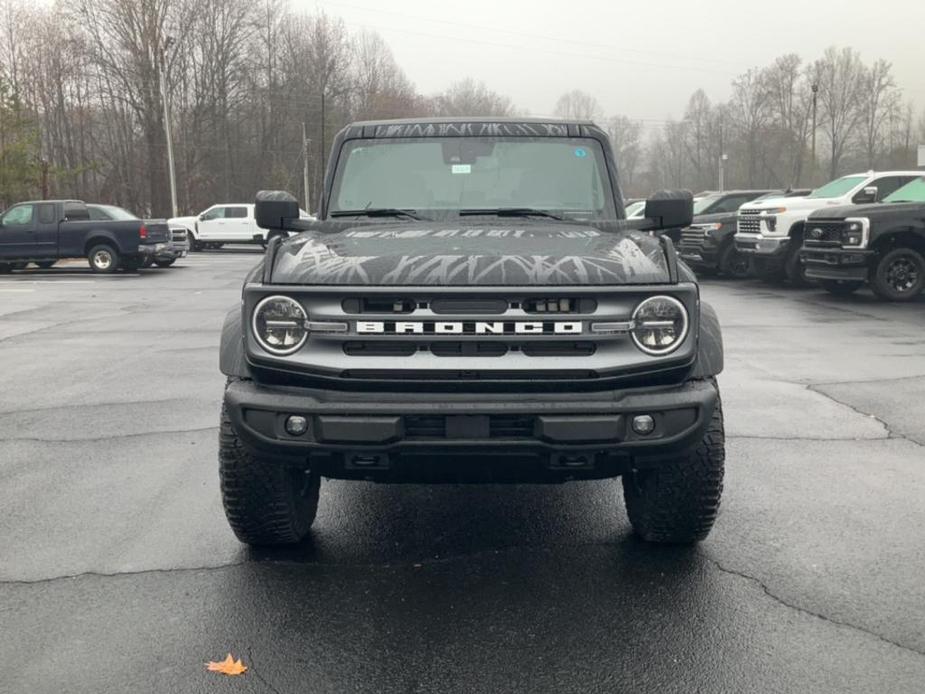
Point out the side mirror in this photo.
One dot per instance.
(869, 194)
(670, 209)
(273, 209)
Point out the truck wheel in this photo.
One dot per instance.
(267, 502)
(165, 263)
(841, 287)
(193, 243)
(45, 264)
(899, 275)
(678, 501)
(732, 263)
(795, 269)
(103, 258)
(147, 262)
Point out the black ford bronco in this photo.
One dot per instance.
(882, 243)
(471, 306)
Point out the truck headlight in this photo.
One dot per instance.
(855, 232)
(279, 325)
(660, 325)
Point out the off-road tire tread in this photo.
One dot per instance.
(677, 502)
(260, 502)
(886, 293)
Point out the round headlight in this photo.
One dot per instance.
(659, 325)
(279, 325)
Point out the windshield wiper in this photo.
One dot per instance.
(510, 212)
(377, 212)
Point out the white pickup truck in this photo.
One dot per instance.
(221, 224)
(770, 231)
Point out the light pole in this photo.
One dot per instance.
(306, 143)
(723, 158)
(815, 89)
(168, 42)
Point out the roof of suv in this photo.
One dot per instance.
(437, 120)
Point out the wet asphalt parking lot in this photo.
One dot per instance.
(118, 572)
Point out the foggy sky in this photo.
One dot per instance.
(642, 58)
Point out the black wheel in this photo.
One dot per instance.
(147, 262)
(194, 245)
(794, 268)
(899, 275)
(677, 502)
(45, 264)
(165, 263)
(103, 258)
(841, 287)
(267, 502)
(20, 266)
(732, 263)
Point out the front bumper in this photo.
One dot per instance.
(760, 246)
(833, 263)
(544, 437)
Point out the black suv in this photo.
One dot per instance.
(882, 243)
(471, 305)
(708, 244)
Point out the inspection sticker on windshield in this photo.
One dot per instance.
(462, 168)
(581, 152)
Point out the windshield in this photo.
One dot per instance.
(703, 204)
(837, 188)
(911, 192)
(439, 177)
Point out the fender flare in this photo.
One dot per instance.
(232, 360)
(710, 360)
(97, 236)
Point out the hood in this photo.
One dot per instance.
(718, 218)
(878, 210)
(443, 254)
(789, 203)
(183, 221)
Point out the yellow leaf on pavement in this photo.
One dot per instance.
(228, 666)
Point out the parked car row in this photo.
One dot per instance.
(863, 228)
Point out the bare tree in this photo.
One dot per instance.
(840, 78)
(470, 98)
(578, 105)
(626, 139)
(877, 96)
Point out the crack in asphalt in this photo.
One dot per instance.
(51, 408)
(114, 437)
(857, 410)
(818, 615)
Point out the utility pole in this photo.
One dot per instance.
(44, 164)
(305, 154)
(322, 133)
(722, 157)
(815, 88)
(171, 172)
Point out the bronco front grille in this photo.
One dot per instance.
(532, 336)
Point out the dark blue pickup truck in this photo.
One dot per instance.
(46, 231)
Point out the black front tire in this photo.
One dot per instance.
(899, 275)
(678, 501)
(795, 269)
(103, 258)
(841, 287)
(733, 264)
(267, 502)
(165, 263)
(194, 245)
